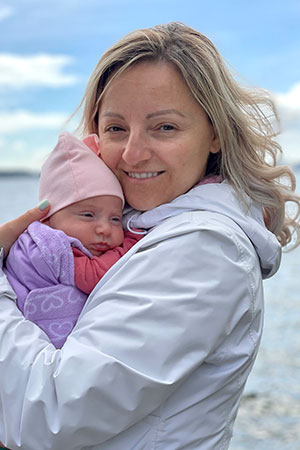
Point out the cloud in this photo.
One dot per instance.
(5, 12)
(19, 121)
(291, 99)
(41, 70)
(22, 155)
(288, 105)
(26, 138)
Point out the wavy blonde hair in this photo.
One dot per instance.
(242, 118)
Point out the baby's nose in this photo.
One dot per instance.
(103, 227)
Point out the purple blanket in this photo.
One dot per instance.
(40, 268)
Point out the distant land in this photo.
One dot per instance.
(19, 173)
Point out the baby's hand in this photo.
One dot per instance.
(10, 231)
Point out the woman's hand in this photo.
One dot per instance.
(10, 231)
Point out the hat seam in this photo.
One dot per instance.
(71, 167)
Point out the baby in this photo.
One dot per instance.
(55, 264)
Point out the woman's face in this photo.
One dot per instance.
(153, 134)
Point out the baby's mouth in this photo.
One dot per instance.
(100, 247)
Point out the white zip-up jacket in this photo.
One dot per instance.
(161, 352)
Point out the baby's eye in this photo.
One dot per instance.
(86, 214)
(116, 220)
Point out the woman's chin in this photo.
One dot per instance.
(142, 204)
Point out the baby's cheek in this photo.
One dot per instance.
(120, 237)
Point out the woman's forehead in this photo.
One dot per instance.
(157, 84)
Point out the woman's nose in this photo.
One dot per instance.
(136, 150)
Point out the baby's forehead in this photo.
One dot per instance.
(99, 202)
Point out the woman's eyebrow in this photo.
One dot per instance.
(111, 114)
(164, 112)
(148, 116)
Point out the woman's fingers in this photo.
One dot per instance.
(10, 231)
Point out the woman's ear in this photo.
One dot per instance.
(215, 144)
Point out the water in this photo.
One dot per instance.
(17, 194)
(269, 416)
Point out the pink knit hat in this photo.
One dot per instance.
(74, 172)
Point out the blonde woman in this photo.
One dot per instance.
(162, 350)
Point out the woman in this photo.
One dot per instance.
(163, 348)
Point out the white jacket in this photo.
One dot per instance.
(162, 350)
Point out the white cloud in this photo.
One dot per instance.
(19, 71)
(18, 121)
(291, 99)
(26, 151)
(23, 156)
(26, 138)
(5, 12)
(288, 104)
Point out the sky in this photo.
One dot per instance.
(48, 48)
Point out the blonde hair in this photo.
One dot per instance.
(240, 117)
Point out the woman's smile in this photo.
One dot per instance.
(143, 175)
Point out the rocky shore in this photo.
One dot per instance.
(267, 423)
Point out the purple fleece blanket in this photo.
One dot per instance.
(40, 268)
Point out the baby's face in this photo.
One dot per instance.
(96, 222)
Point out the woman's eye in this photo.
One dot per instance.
(167, 127)
(114, 129)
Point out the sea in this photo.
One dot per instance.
(269, 415)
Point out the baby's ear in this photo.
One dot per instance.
(92, 141)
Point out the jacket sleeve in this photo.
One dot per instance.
(130, 348)
(88, 271)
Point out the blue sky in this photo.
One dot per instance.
(49, 48)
